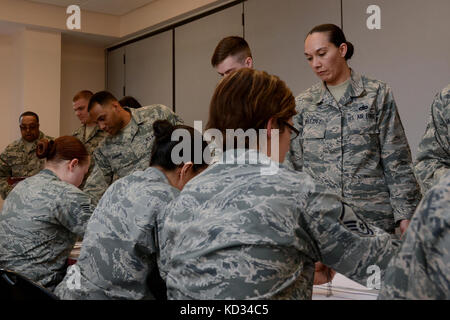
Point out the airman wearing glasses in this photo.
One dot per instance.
(19, 161)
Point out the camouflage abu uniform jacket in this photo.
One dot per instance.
(15, 162)
(433, 159)
(39, 224)
(358, 149)
(91, 142)
(119, 248)
(120, 155)
(421, 270)
(236, 233)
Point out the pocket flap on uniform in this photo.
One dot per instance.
(314, 132)
(366, 128)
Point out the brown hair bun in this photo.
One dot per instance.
(45, 149)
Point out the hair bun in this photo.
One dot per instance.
(45, 148)
(162, 129)
(350, 50)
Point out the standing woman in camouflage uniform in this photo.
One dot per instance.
(352, 139)
(44, 214)
(18, 161)
(118, 258)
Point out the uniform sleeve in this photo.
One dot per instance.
(100, 178)
(433, 159)
(294, 157)
(396, 158)
(5, 173)
(343, 240)
(420, 270)
(75, 210)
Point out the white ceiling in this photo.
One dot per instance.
(114, 7)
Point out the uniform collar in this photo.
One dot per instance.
(93, 132)
(49, 173)
(127, 133)
(80, 130)
(137, 114)
(136, 120)
(355, 89)
(156, 174)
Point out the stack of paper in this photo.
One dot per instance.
(75, 253)
(342, 288)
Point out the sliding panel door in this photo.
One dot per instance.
(149, 70)
(276, 30)
(116, 72)
(195, 78)
(411, 52)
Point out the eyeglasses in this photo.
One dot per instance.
(292, 128)
(25, 128)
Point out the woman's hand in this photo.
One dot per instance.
(323, 274)
(404, 226)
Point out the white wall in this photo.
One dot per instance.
(30, 64)
(9, 127)
(41, 77)
(162, 11)
(51, 17)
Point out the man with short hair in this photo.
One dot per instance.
(129, 144)
(19, 161)
(89, 133)
(231, 54)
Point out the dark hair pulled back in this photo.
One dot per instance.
(335, 36)
(62, 148)
(163, 145)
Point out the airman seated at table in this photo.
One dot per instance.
(19, 161)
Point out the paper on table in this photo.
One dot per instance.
(344, 289)
(75, 253)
